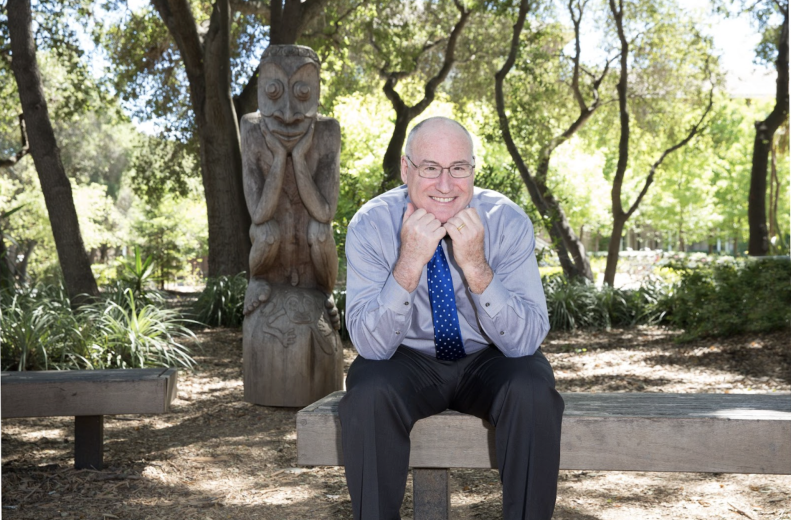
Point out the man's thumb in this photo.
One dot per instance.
(410, 208)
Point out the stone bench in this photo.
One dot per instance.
(87, 395)
(719, 433)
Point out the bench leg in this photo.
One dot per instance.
(431, 493)
(88, 441)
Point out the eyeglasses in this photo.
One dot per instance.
(430, 170)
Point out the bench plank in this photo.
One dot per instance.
(53, 393)
(733, 433)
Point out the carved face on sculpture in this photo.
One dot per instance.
(288, 94)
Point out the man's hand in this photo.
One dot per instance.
(420, 234)
(467, 232)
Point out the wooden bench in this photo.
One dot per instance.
(87, 395)
(717, 433)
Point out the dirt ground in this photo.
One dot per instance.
(216, 457)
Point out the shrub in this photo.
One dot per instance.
(135, 336)
(573, 304)
(753, 295)
(221, 304)
(39, 330)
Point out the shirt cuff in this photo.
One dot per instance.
(396, 298)
(493, 298)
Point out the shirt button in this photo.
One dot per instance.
(487, 304)
(398, 332)
(502, 333)
(406, 303)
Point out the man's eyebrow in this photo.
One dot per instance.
(428, 162)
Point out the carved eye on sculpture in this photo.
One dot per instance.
(274, 89)
(301, 91)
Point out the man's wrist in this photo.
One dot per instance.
(407, 274)
(479, 277)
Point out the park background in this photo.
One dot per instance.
(701, 269)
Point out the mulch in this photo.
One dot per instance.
(216, 457)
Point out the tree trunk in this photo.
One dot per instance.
(207, 64)
(77, 275)
(391, 163)
(574, 246)
(764, 133)
(613, 249)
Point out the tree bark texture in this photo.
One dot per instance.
(207, 63)
(758, 244)
(405, 114)
(74, 262)
(570, 251)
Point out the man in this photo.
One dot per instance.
(446, 310)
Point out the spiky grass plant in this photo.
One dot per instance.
(221, 304)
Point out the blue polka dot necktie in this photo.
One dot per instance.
(447, 334)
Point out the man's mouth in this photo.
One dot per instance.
(443, 199)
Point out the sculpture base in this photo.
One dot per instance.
(292, 354)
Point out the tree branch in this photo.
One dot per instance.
(25, 146)
(251, 7)
(450, 51)
(177, 16)
(621, 88)
(693, 131)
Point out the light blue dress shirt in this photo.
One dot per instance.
(381, 315)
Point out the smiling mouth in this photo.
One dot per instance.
(443, 199)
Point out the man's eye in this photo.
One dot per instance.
(459, 168)
(430, 168)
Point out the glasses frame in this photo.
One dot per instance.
(442, 169)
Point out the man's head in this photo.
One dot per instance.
(288, 91)
(440, 142)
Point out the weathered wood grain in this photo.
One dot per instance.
(87, 392)
(730, 433)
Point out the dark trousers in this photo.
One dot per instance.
(384, 399)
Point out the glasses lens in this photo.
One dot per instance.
(432, 171)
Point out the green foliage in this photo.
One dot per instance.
(39, 330)
(221, 303)
(732, 297)
(136, 272)
(135, 335)
(578, 304)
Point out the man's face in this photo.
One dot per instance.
(288, 98)
(443, 144)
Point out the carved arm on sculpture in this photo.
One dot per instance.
(273, 184)
(315, 202)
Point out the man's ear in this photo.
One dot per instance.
(404, 169)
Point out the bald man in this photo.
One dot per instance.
(446, 310)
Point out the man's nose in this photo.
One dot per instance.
(444, 181)
(288, 115)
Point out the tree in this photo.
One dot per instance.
(74, 261)
(764, 135)
(568, 247)
(620, 215)
(213, 49)
(407, 67)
